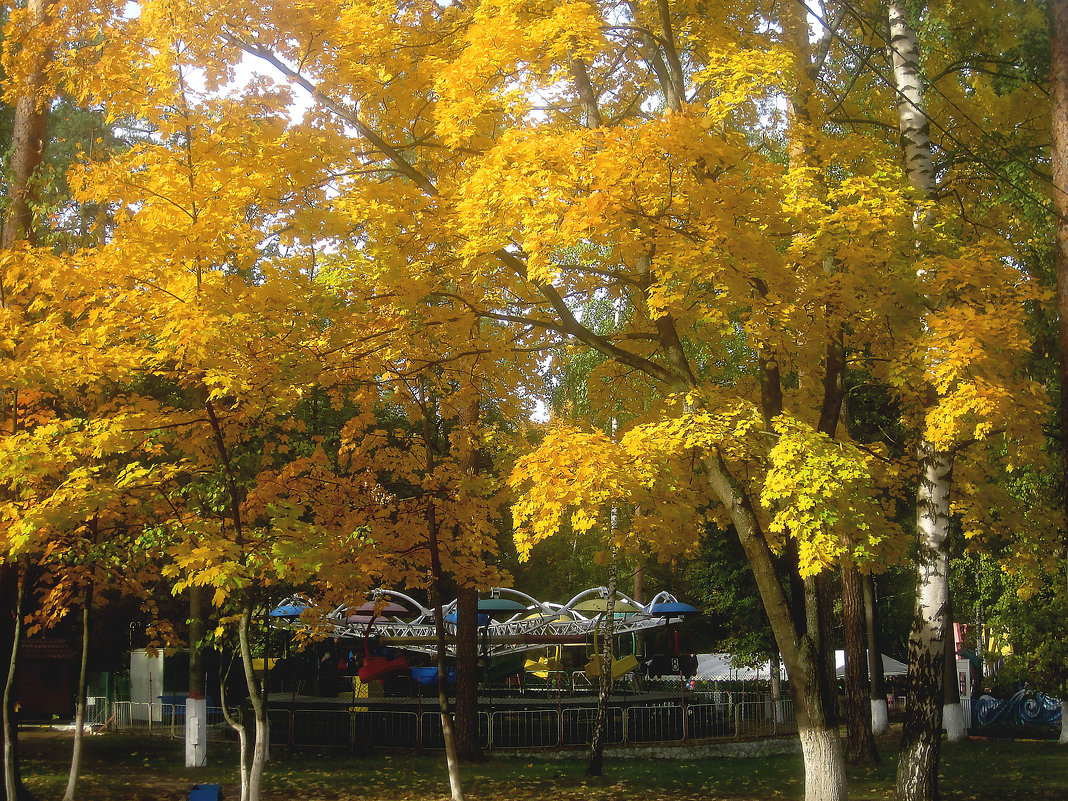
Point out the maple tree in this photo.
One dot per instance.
(469, 186)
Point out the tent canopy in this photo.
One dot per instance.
(726, 667)
(891, 666)
(723, 667)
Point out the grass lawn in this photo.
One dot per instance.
(123, 768)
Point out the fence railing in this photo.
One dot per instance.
(96, 710)
(163, 719)
(897, 709)
(363, 726)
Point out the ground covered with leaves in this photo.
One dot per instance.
(150, 769)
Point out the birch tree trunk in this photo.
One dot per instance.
(921, 734)
(921, 739)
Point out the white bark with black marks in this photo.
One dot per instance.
(912, 117)
(917, 772)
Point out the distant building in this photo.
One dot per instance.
(47, 679)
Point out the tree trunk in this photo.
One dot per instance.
(13, 573)
(256, 699)
(27, 144)
(79, 714)
(880, 717)
(451, 758)
(952, 711)
(776, 686)
(921, 739)
(860, 744)
(1058, 44)
(825, 778)
(242, 735)
(818, 629)
(595, 759)
(921, 735)
(196, 705)
(259, 708)
(468, 747)
(1058, 12)
(29, 130)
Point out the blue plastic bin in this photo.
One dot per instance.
(206, 792)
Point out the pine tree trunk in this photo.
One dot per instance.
(880, 717)
(860, 744)
(1058, 12)
(818, 627)
(468, 747)
(27, 144)
(1058, 43)
(79, 714)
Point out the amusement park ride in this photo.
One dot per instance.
(512, 625)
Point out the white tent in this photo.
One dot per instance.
(723, 667)
(891, 667)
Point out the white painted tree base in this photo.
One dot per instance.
(953, 722)
(196, 732)
(1063, 740)
(880, 717)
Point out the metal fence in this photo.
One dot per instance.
(163, 719)
(96, 710)
(364, 726)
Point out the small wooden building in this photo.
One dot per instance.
(47, 680)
